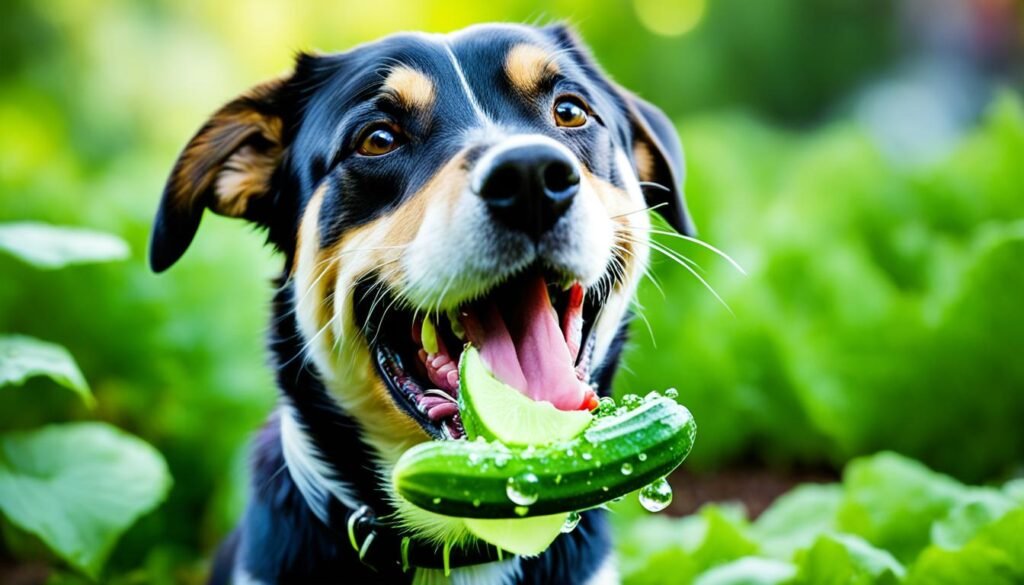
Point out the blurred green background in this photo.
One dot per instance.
(862, 159)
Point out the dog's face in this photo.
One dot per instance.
(485, 186)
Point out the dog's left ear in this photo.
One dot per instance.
(227, 167)
(658, 159)
(655, 147)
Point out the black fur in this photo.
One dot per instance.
(281, 540)
(322, 109)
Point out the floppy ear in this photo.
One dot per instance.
(226, 167)
(658, 158)
(656, 151)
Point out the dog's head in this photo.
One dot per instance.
(489, 185)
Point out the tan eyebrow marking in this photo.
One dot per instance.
(527, 65)
(412, 88)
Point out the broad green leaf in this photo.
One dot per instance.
(994, 557)
(48, 246)
(78, 487)
(652, 545)
(891, 501)
(843, 559)
(797, 518)
(23, 357)
(1014, 490)
(645, 539)
(746, 571)
(672, 560)
(726, 538)
(978, 509)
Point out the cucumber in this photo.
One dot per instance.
(494, 410)
(522, 536)
(615, 455)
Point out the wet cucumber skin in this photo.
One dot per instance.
(468, 479)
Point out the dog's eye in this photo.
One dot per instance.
(570, 113)
(377, 140)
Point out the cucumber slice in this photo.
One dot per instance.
(616, 455)
(522, 536)
(494, 410)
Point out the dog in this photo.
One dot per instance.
(493, 183)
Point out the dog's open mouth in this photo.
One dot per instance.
(533, 332)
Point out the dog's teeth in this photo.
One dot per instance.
(453, 380)
(428, 335)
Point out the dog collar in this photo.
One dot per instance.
(380, 546)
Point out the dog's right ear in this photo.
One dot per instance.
(226, 167)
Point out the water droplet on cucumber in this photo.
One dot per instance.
(656, 496)
(571, 522)
(642, 457)
(523, 489)
(626, 469)
(672, 393)
(501, 460)
(631, 401)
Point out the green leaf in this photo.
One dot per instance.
(994, 557)
(797, 518)
(47, 246)
(23, 357)
(978, 509)
(892, 501)
(1014, 489)
(667, 561)
(654, 546)
(79, 486)
(747, 571)
(843, 559)
(726, 537)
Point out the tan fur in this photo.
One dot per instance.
(218, 156)
(644, 159)
(527, 65)
(246, 175)
(326, 275)
(325, 278)
(412, 88)
(618, 205)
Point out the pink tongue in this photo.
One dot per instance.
(529, 351)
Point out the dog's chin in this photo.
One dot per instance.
(421, 374)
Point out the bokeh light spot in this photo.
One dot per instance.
(670, 18)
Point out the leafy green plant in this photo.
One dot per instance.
(76, 487)
(890, 521)
(46, 246)
(881, 307)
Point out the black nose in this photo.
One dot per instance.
(529, 187)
